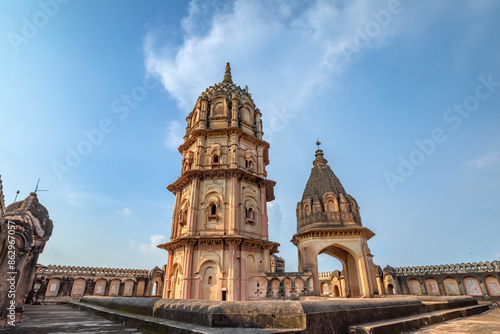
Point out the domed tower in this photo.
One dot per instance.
(219, 231)
(328, 221)
(24, 231)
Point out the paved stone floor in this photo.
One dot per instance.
(485, 323)
(57, 319)
(54, 319)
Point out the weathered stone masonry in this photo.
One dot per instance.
(70, 283)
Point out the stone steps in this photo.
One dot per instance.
(160, 325)
(405, 324)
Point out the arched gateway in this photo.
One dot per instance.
(328, 222)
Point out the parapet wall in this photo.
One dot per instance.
(459, 268)
(326, 316)
(55, 283)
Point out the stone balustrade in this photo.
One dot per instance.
(91, 271)
(449, 268)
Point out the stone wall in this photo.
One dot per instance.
(70, 283)
(480, 280)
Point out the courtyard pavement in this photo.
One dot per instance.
(485, 323)
(54, 319)
(49, 318)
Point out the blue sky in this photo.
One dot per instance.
(404, 96)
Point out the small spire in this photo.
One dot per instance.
(227, 75)
(320, 160)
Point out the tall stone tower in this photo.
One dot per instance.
(328, 221)
(219, 232)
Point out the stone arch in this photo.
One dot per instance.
(414, 286)
(128, 287)
(275, 287)
(336, 291)
(349, 260)
(250, 264)
(218, 107)
(246, 113)
(209, 283)
(300, 285)
(307, 209)
(451, 286)
(389, 284)
(336, 284)
(78, 288)
(100, 287)
(492, 285)
(250, 213)
(140, 288)
(208, 256)
(176, 282)
(53, 287)
(431, 285)
(331, 202)
(257, 288)
(114, 287)
(471, 286)
(287, 286)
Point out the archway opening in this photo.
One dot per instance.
(344, 271)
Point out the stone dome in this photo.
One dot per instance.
(32, 205)
(325, 203)
(225, 105)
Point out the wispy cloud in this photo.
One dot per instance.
(173, 135)
(484, 161)
(155, 240)
(294, 48)
(125, 211)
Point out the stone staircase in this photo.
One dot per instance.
(436, 312)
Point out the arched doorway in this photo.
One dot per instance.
(471, 285)
(176, 282)
(390, 289)
(414, 287)
(209, 272)
(336, 291)
(349, 269)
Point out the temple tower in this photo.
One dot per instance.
(219, 234)
(328, 221)
(24, 231)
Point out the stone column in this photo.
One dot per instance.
(260, 162)
(258, 124)
(195, 187)
(175, 226)
(188, 268)
(203, 112)
(168, 274)
(199, 158)
(233, 205)
(263, 213)
(243, 278)
(234, 144)
(234, 111)
(233, 270)
(266, 259)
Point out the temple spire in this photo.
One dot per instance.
(227, 75)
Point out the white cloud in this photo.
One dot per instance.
(483, 161)
(155, 239)
(125, 211)
(174, 135)
(295, 49)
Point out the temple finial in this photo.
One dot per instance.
(318, 143)
(227, 75)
